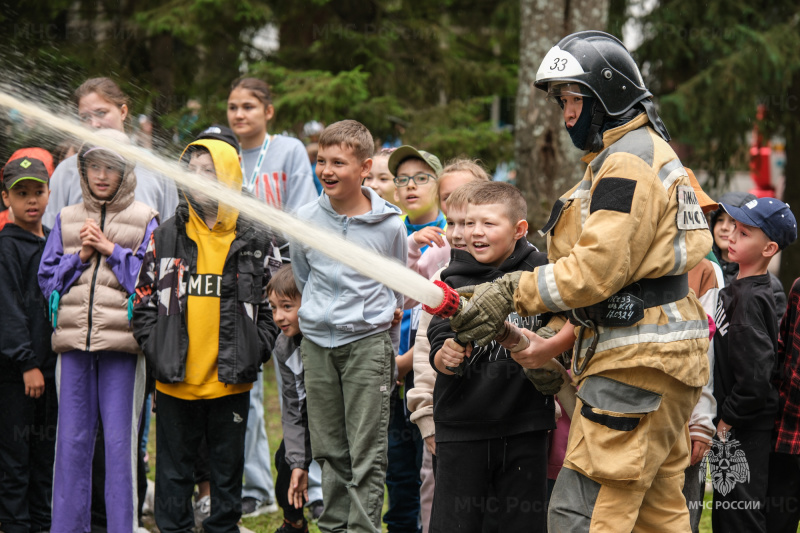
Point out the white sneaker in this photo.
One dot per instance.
(202, 510)
(149, 498)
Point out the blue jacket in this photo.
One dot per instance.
(339, 305)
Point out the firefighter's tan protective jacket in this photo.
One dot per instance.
(634, 215)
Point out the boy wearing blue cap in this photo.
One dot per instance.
(745, 346)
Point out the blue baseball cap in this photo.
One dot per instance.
(770, 215)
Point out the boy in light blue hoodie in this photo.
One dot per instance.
(350, 337)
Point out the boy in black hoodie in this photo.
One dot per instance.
(491, 422)
(745, 351)
(27, 362)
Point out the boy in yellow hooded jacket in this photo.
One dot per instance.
(201, 318)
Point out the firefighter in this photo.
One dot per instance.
(619, 243)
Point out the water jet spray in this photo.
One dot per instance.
(437, 298)
(393, 274)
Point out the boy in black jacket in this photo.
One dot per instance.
(745, 347)
(491, 422)
(27, 363)
(201, 318)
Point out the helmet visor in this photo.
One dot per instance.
(559, 90)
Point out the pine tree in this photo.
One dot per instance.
(712, 64)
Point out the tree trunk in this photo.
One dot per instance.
(547, 162)
(790, 257)
(161, 60)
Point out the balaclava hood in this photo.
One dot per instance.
(579, 133)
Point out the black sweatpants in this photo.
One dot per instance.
(506, 476)
(783, 493)
(282, 486)
(180, 426)
(742, 508)
(27, 453)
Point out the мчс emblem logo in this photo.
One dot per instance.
(728, 465)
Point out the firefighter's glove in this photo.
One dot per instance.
(548, 382)
(481, 318)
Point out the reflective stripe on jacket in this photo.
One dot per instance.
(633, 216)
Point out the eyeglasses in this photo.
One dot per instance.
(87, 117)
(418, 179)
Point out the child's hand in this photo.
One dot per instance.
(544, 347)
(538, 352)
(34, 382)
(429, 235)
(398, 316)
(430, 442)
(453, 354)
(87, 250)
(404, 363)
(700, 448)
(91, 235)
(298, 488)
(723, 430)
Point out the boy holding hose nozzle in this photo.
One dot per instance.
(491, 422)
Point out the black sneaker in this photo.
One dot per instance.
(315, 509)
(287, 527)
(254, 507)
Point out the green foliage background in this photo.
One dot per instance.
(440, 74)
(425, 70)
(713, 63)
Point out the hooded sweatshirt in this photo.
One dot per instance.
(745, 355)
(205, 284)
(93, 309)
(340, 305)
(25, 335)
(731, 270)
(493, 398)
(218, 313)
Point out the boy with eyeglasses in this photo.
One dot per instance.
(417, 194)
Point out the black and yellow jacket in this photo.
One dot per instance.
(200, 313)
